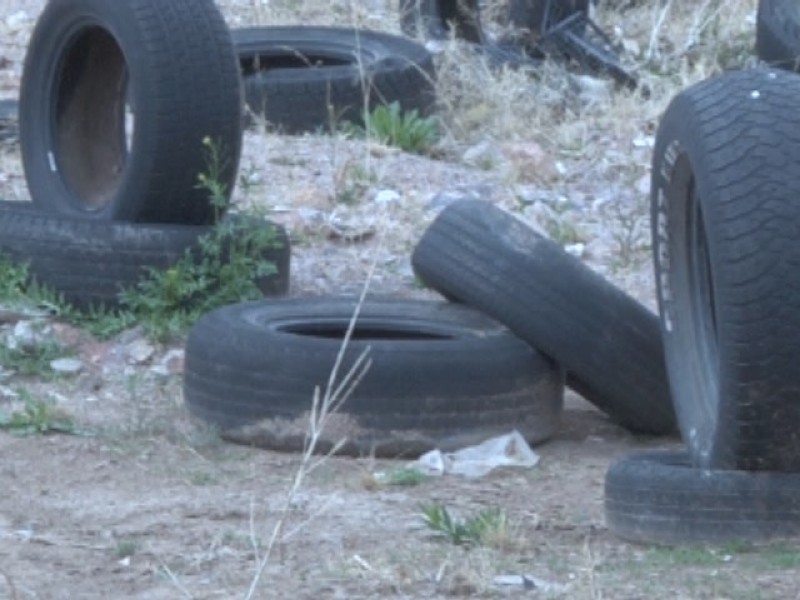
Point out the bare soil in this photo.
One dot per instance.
(145, 503)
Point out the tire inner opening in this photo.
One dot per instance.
(91, 141)
(287, 58)
(363, 332)
(703, 294)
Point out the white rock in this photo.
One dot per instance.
(66, 366)
(575, 249)
(386, 197)
(139, 351)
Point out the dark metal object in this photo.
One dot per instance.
(577, 37)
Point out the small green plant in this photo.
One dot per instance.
(125, 549)
(17, 287)
(406, 130)
(403, 476)
(227, 268)
(37, 417)
(488, 527)
(34, 359)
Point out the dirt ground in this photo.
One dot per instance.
(144, 503)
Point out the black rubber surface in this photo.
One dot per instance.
(778, 33)
(89, 261)
(442, 375)
(725, 214)
(658, 497)
(608, 343)
(168, 69)
(314, 78)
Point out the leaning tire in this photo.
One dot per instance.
(778, 33)
(174, 66)
(439, 19)
(89, 262)
(309, 78)
(441, 376)
(726, 170)
(607, 342)
(658, 497)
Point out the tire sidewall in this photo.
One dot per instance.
(55, 31)
(367, 53)
(678, 162)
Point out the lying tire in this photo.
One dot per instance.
(778, 33)
(608, 343)
(88, 262)
(441, 376)
(310, 78)
(439, 19)
(658, 497)
(726, 170)
(92, 66)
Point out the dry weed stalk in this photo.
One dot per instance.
(323, 405)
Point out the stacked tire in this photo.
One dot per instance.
(121, 104)
(725, 217)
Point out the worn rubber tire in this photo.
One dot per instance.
(173, 64)
(658, 497)
(608, 343)
(89, 261)
(283, 86)
(778, 33)
(439, 19)
(441, 376)
(726, 170)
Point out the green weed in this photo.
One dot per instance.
(32, 359)
(488, 527)
(405, 130)
(37, 417)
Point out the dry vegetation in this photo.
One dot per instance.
(153, 506)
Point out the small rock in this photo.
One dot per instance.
(484, 155)
(386, 197)
(447, 197)
(139, 352)
(28, 334)
(575, 249)
(592, 90)
(66, 366)
(16, 20)
(171, 363)
(531, 162)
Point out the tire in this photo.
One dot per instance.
(439, 19)
(607, 342)
(88, 262)
(726, 170)
(171, 66)
(658, 497)
(778, 33)
(441, 376)
(303, 79)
